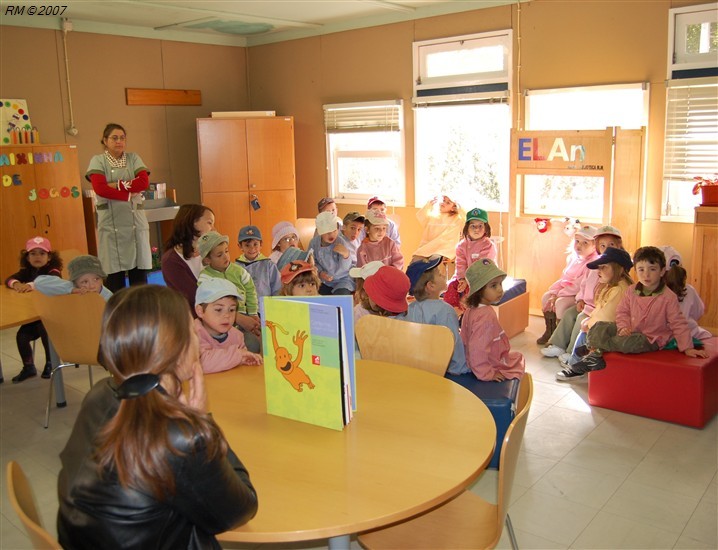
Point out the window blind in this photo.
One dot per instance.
(691, 139)
(372, 116)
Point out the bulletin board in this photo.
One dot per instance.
(15, 124)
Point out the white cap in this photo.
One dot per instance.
(367, 270)
(672, 255)
(586, 231)
(212, 289)
(327, 222)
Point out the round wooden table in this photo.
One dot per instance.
(416, 440)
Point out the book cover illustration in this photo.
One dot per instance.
(305, 369)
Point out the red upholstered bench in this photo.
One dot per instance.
(665, 385)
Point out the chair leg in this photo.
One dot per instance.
(49, 399)
(512, 535)
(89, 371)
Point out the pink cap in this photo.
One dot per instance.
(38, 242)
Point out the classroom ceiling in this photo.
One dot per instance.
(229, 22)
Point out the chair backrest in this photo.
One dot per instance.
(23, 502)
(512, 444)
(67, 256)
(73, 323)
(306, 228)
(426, 347)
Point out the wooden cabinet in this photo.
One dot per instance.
(704, 269)
(41, 195)
(245, 159)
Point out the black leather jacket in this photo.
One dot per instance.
(211, 497)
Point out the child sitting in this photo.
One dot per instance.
(360, 274)
(443, 220)
(284, 235)
(562, 294)
(36, 259)
(690, 303)
(488, 352)
(385, 292)
(352, 227)
(376, 245)
(299, 278)
(214, 251)
(331, 256)
(648, 318)
(428, 281)
(376, 205)
(264, 272)
(221, 346)
(475, 244)
(86, 275)
(612, 267)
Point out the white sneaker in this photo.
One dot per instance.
(552, 351)
(564, 357)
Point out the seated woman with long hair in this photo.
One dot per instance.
(145, 465)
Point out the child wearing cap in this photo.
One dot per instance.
(385, 292)
(264, 272)
(376, 205)
(331, 256)
(86, 275)
(561, 295)
(475, 244)
(377, 245)
(360, 274)
(442, 219)
(648, 318)
(299, 278)
(221, 345)
(214, 251)
(488, 351)
(37, 258)
(284, 235)
(563, 338)
(428, 281)
(352, 227)
(612, 268)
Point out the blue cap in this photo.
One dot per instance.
(418, 267)
(612, 255)
(249, 232)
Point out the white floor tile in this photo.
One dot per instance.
(620, 461)
(612, 531)
(702, 525)
(579, 485)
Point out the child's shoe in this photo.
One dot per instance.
(564, 358)
(590, 362)
(569, 375)
(28, 371)
(552, 351)
(47, 371)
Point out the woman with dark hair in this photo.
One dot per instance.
(181, 263)
(145, 465)
(118, 178)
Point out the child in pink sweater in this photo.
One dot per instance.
(377, 246)
(648, 318)
(221, 345)
(476, 244)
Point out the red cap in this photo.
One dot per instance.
(388, 288)
(38, 242)
(373, 200)
(294, 268)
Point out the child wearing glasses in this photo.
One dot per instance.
(284, 235)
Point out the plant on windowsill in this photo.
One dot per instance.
(708, 187)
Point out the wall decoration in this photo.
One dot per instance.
(15, 125)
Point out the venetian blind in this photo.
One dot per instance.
(372, 116)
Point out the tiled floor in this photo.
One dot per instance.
(587, 478)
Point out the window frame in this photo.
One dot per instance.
(694, 65)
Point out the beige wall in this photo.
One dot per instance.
(563, 43)
(101, 67)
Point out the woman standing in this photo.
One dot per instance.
(145, 465)
(118, 178)
(181, 263)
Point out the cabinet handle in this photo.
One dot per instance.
(34, 222)
(48, 219)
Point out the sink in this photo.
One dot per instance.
(158, 210)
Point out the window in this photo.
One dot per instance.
(691, 143)
(462, 119)
(365, 151)
(584, 108)
(693, 41)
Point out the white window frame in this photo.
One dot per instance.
(362, 117)
(678, 20)
(690, 141)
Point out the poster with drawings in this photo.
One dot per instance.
(15, 122)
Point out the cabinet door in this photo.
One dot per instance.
(222, 155)
(270, 153)
(60, 203)
(275, 206)
(231, 212)
(20, 218)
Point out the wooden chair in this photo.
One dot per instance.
(306, 228)
(73, 323)
(426, 347)
(467, 521)
(23, 502)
